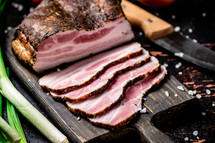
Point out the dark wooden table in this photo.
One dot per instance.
(196, 20)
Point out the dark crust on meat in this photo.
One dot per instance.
(127, 120)
(94, 13)
(45, 20)
(48, 19)
(129, 84)
(97, 75)
(103, 88)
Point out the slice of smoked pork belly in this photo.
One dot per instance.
(49, 36)
(101, 103)
(103, 82)
(131, 105)
(84, 72)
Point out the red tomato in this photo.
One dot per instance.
(157, 3)
(36, 2)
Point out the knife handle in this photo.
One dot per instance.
(152, 26)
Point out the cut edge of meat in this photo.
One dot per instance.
(98, 74)
(118, 126)
(131, 117)
(129, 84)
(86, 43)
(103, 88)
(23, 50)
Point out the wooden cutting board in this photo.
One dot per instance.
(160, 107)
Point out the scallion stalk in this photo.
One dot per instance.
(0, 105)
(8, 131)
(26, 109)
(13, 118)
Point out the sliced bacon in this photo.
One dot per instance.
(101, 103)
(86, 71)
(102, 83)
(122, 113)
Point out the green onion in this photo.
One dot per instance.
(2, 140)
(13, 118)
(2, 137)
(0, 105)
(8, 131)
(26, 109)
(8, 134)
(14, 121)
(2, 5)
(1, 9)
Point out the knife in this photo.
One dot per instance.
(162, 33)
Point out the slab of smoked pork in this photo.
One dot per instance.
(67, 30)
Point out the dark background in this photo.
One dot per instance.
(198, 15)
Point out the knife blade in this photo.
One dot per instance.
(162, 33)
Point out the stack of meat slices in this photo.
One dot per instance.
(107, 88)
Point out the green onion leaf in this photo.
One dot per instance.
(2, 67)
(2, 6)
(2, 140)
(0, 105)
(14, 121)
(8, 131)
